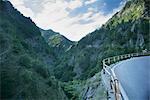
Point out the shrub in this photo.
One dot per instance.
(25, 61)
(40, 69)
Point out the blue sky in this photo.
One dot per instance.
(72, 18)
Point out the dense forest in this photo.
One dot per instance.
(26, 59)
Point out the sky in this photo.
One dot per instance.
(72, 18)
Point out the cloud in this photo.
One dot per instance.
(90, 2)
(56, 16)
(75, 4)
(19, 4)
(27, 11)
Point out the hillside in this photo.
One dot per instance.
(25, 59)
(37, 64)
(57, 42)
(126, 32)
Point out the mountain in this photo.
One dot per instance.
(126, 32)
(29, 56)
(25, 59)
(59, 43)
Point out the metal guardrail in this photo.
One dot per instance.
(114, 83)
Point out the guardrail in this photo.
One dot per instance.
(114, 83)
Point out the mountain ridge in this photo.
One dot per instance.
(126, 32)
(26, 59)
(31, 58)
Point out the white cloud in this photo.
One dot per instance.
(19, 4)
(55, 16)
(90, 2)
(75, 4)
(27, 11)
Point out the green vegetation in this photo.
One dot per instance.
(57, 42)
(24, 59)
(73, 89)
(126, 32)
(31, 58)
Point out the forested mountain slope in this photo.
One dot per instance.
(29, 56)
(57, 42)
(126, 32)
(25, 59)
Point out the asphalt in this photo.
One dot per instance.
(134, 77)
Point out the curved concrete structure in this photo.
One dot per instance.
(134, 77)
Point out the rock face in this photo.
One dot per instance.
(126, 32)
(140, 41)
(25, 59)
(93, 89)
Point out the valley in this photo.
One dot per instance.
(42, 64)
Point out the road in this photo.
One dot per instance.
(134, 77)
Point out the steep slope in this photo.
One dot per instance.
(127, 31)
(59, 43)
(25, 59)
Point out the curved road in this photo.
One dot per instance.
(134, 77)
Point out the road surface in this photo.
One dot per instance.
(134, 77)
